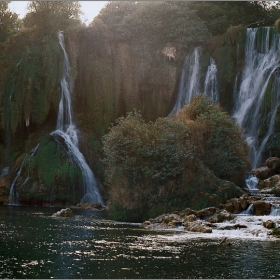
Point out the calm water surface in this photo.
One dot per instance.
(35, 245)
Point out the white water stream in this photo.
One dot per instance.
(211, 82)
(190, 81)
(66, 129)
(262, 61)
(14, 195)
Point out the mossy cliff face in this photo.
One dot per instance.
(116, 77)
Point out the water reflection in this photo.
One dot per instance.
(35, 245)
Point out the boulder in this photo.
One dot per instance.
(273, 163)
(170, 218)
(261, 208)
(263, 173)
(270, 182)
(174, 223)
(190, 218)
(206, 212)
(244, 201)
(269, 224)
(228, 207)
(236, 205)
(187, 212)
(197, 226)
(146, 223)
(221, 217)
(64, 213)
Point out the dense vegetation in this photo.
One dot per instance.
(120, 63)
(173, 163)
(51, 174)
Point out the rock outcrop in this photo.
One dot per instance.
(191, 220)
(237, 205)
(197, 226)
(269, 224)
(261, 208)
(262, 173)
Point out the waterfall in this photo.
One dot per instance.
(275, 210)
(252, 182)
(189, 85)
(4, 171)
(66, 129)
(211, 82)
(14, 195)
(189, 82)
(261, 64)
(249, 210)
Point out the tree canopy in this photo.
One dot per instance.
(53, 14)
(9, 21)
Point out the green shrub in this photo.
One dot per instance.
(154, 167)
(224, 152)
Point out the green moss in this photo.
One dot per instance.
(32, 87)
(53, 174)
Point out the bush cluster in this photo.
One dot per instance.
(186, 161)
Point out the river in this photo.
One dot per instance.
(33, 244)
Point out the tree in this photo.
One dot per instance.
(180, 162)
(9, 21)
(223, 150)
(53, 15)
(154, 21)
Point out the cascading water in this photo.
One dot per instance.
(14, 195)
(262, 61)
(4, 171)
(190, 80)
(211, 82)
(66, 129)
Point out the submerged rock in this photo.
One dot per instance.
(64, 213)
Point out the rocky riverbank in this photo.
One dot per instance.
(217, 223)
(252, 214)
